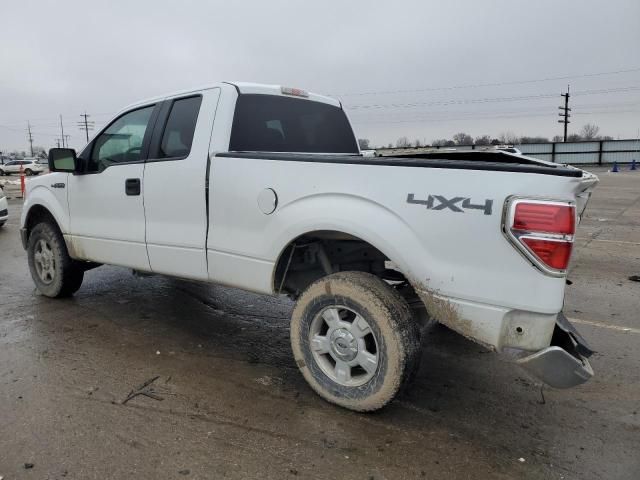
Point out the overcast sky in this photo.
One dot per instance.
(65, 57)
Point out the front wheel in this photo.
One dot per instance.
(354, 340)
(53, 271)
(28, 172)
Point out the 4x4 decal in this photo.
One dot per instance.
(451, 204)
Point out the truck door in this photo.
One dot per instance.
(105, 201)
(175, 196)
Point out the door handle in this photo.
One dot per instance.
(132, 186)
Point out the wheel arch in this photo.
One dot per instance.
(41, 195)
(38, 212)
(360, 219)
(316, 253)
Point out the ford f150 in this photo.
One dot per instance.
(275, 197)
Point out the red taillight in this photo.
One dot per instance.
(555, 254)
(548, 218)
(543, 231)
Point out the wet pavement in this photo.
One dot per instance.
(230, 403)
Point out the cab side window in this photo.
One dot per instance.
(181, 124)
(122, 141)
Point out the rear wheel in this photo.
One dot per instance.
(1, 172)
(354, 340)
(53, 271)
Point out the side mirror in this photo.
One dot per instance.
(62, 160)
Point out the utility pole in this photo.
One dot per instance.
(58, 142)
(566, 113)
(85, 124)
(62, 131)
(30, 137)
(65, 141)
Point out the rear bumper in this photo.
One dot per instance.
(564, 364)
(559, 356)
(498, 328)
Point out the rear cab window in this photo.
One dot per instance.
(180, 127)
(272, 123)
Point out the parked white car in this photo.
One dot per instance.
(4, 208)
(276, 198)
(29, 167)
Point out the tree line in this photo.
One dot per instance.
(589, 131)
(38, 152)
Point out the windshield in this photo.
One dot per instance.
(271, 123)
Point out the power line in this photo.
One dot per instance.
(44, 134)
(496, 84)
(468, 101)
(57, 122)
(449, 102)
(566, 113)
(520, 109)
(355, 108)
(486, 117)
(11, 128)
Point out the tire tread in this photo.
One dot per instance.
(383, 299)
(71, 275)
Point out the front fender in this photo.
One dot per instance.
(40, 195)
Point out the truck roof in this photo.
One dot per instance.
(264, 89)
(242, 87)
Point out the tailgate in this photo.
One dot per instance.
(584, 191)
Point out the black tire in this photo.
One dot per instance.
(2, 172)
(28, 172)
(388, 319)
(66, 277)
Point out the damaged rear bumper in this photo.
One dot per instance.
(564, 363)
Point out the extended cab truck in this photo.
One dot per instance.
(264, 188)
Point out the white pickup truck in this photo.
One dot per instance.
(264, 188)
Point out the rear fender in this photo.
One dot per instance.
(353, 215)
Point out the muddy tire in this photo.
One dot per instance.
(53, 271)
(354, 340)
(28, 172)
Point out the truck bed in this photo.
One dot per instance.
(481, 160)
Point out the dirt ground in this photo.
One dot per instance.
(231, 403)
